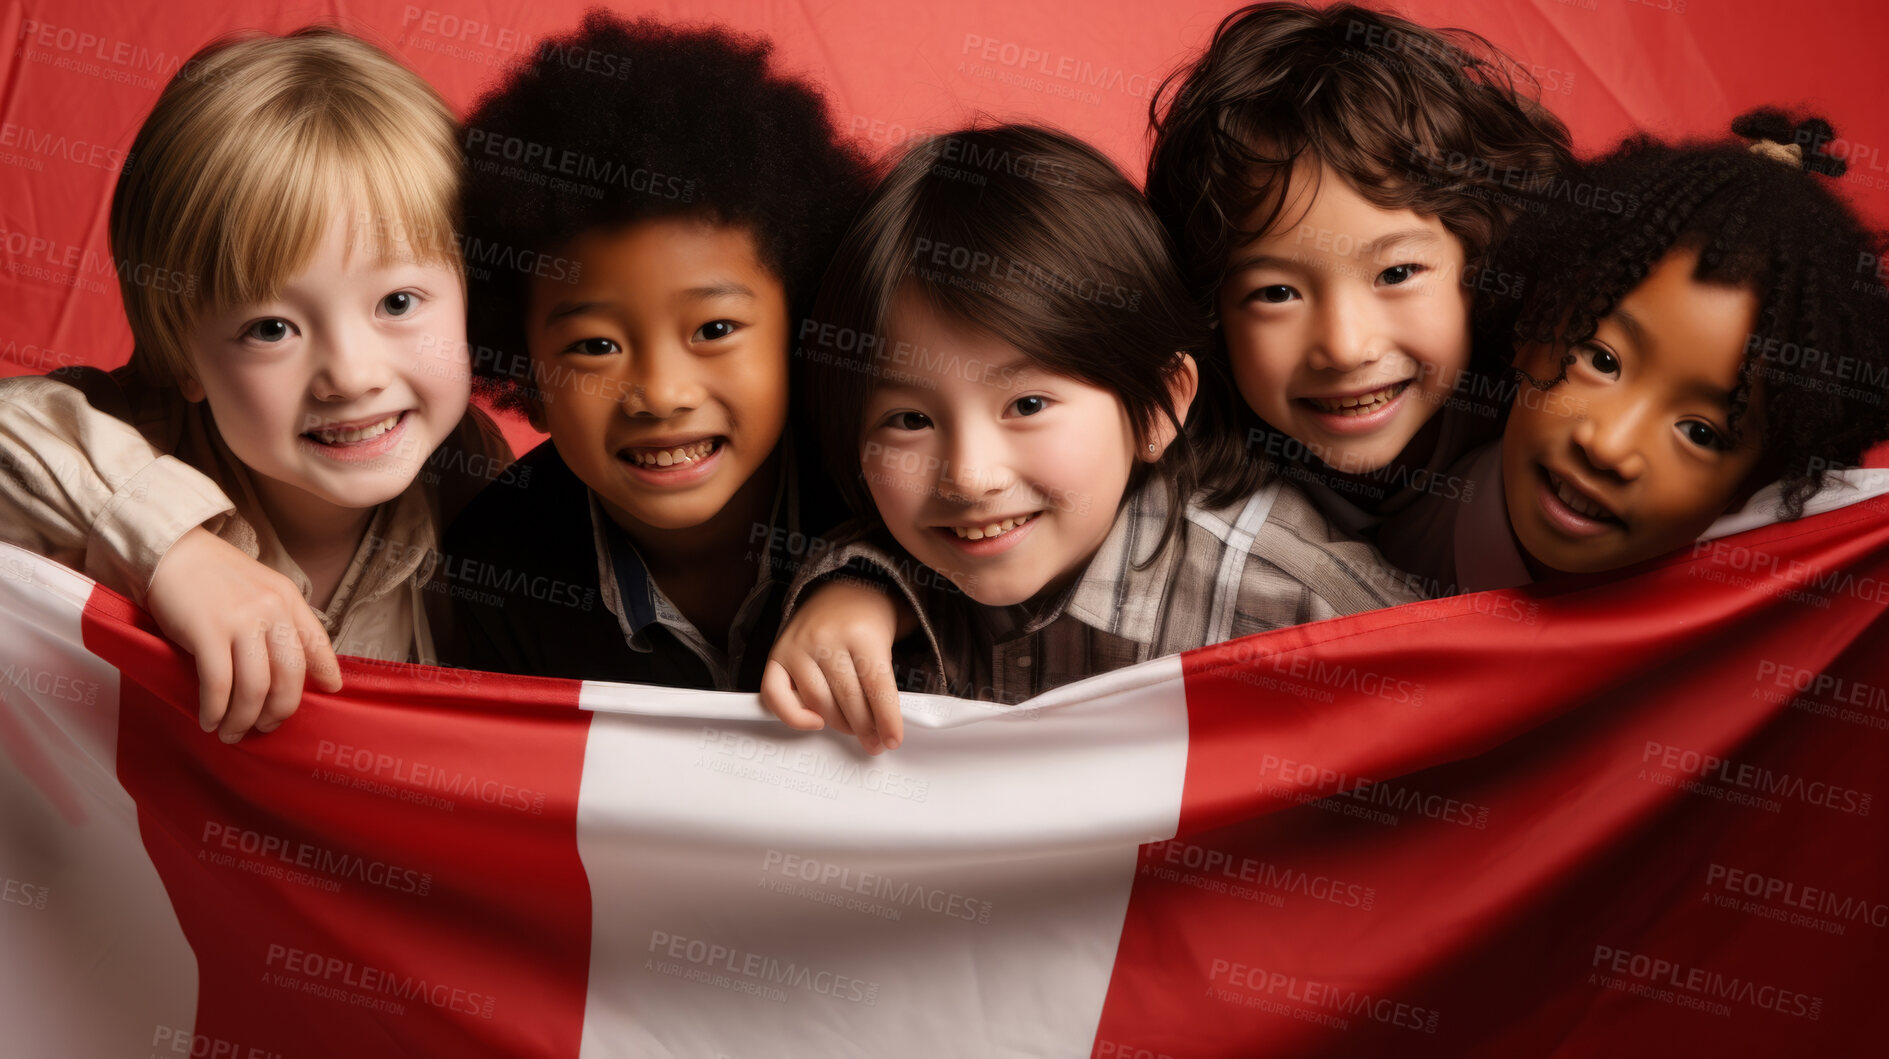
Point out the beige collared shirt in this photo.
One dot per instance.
(108, 485)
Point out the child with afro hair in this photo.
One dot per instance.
(1725, 342)
(648, 210)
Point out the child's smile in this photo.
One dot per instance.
(1634, 453)
(337, 388)
(663, 368)
(1347, 324)
(1004, 480)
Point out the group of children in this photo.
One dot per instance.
(983, 419)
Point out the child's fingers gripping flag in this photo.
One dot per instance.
(1606, 818)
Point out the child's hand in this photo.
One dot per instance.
(832, 664)
(249, 628)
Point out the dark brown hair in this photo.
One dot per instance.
(1412, 118)
(1027, 235)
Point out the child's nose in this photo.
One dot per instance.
(977, 465)
(661, 382)
(351, 366)
(1344, 336)
(1608, 437)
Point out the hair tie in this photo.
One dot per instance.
(1790, 154)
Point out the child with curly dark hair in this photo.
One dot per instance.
(1726, 343)
(648, 210)
(1333, 180)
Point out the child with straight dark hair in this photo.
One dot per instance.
(1334, 180)
(1001, 362)
(1727, 345)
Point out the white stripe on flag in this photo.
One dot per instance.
(723, 929)
(92, 960)
(1841, 489)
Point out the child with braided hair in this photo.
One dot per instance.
(1723, 343)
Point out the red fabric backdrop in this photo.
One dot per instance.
(76, 80)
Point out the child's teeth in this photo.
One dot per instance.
(671, 457)
(1581, 505)
(992, 530)
(346, 437)
(1360, 404)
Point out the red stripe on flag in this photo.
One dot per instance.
(1630, 816)
(393, 872)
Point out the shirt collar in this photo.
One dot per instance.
(1113, 596)
(633, 596)
(396, 550)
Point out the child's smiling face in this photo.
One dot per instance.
(337, 389)
(1633, 455)
(1348, 324)
(663, 367)
(999, 475)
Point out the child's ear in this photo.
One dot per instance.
(1183, 384)
(190, 388)
(534, 413)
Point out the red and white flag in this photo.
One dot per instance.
(1618, 817)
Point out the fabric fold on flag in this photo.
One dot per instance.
(1606, 815)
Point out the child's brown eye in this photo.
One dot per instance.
(715, 329)
(909, 421)
(1277, 294)
(1602, 359)
(1396, 274)
(271, 330)
(592, 347)
(1029, 406)
(1701, 434)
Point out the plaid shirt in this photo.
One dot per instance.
(1262, 563)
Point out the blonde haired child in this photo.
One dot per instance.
(270, 470)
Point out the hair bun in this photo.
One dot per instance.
(1812, 136)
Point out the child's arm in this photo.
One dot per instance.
(85, 487)
(832, 663)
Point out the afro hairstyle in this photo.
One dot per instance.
(624, 121)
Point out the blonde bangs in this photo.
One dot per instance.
(243, 165)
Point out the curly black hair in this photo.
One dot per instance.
(1819, 354)
(622, 121)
